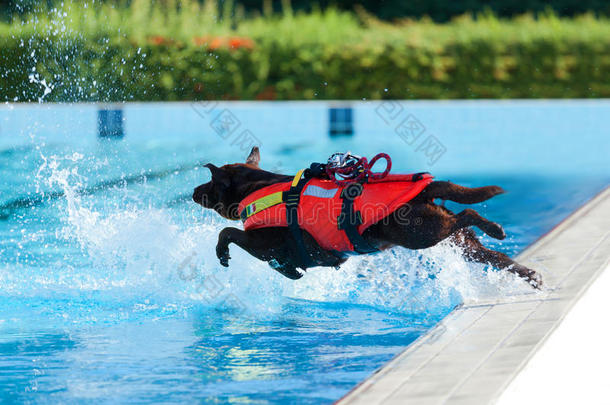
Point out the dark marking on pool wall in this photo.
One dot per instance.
(110, 123)
(340, 121)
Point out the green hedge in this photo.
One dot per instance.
(323, 55)
(438, 10)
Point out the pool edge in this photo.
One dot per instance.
(473, 354)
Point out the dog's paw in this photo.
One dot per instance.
(495, 231)
(224, 261)
(534, 279)
(223, 255)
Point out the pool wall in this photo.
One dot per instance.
(444, 137)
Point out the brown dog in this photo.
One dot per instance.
(418, 225)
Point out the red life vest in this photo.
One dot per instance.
(321, 204)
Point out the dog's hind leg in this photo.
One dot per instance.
(421, 226)
(464, 195)
(470, 217)
(474, 251)
(265, 244)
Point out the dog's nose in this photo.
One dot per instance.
(197, 193)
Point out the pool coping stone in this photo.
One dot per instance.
(473, 354)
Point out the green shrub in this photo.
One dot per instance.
(184, 51)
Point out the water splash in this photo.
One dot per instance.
(149, 258)
(47, 88)
(52, 47)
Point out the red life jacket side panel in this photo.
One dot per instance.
(321, 202)
(272, 216)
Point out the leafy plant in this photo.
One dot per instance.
(187, 50)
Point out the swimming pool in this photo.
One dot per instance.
(111, 291)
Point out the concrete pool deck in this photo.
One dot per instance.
(472, 355)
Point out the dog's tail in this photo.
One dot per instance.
(464, 195)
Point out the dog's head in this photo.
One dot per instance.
(224, 192)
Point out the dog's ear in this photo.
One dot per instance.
(219, 176)
(254, 157)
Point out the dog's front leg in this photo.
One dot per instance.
(226, 237)
(267, 244)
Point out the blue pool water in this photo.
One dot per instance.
(109, 286)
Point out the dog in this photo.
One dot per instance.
(419, 224)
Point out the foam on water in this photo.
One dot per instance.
(148, 258)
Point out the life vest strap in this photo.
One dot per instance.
(291, 199)
(349, 220)
(268, 201)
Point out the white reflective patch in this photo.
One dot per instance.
(320, 192)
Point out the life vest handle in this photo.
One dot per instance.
(359, 170)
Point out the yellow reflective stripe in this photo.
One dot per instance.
(263, 203)
(296, 179)
(269, 200)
